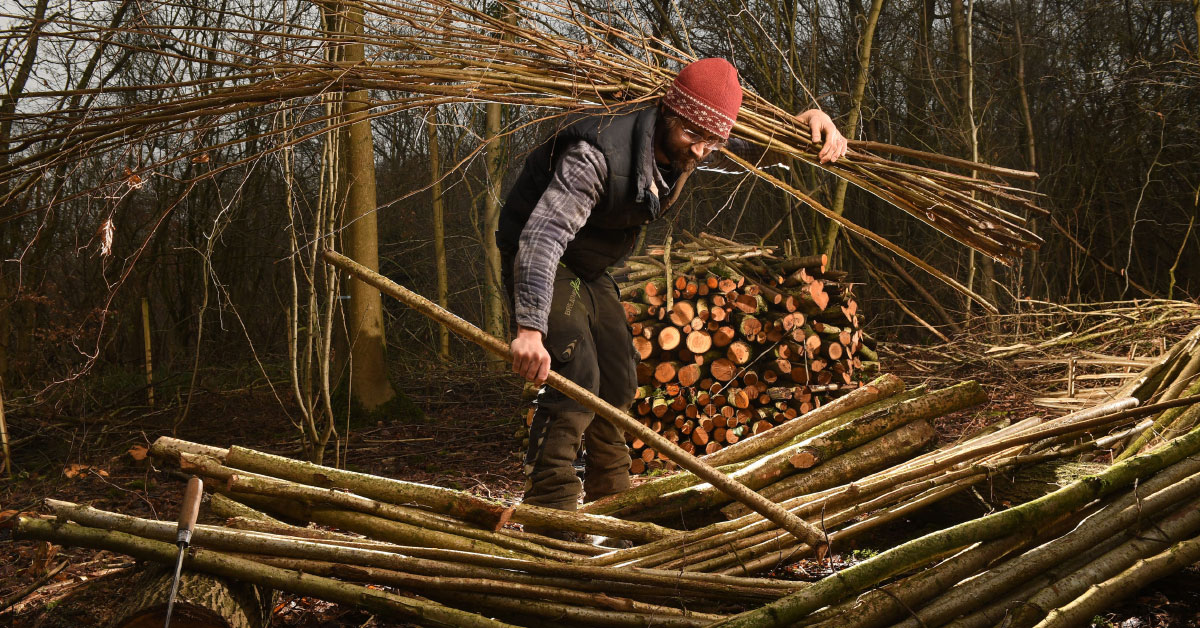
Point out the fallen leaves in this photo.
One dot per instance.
(75, 469)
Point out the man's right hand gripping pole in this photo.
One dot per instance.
(530, 358)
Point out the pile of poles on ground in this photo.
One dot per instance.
(854, 464)
(734, 341)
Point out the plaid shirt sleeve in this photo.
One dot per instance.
(565, 206)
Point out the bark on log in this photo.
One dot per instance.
(1167, 488)
(482, 512)
(870, 572)
(820, 447)
(215, 563)
(203, 601)
(614, 415)
(880, 388)
(168, 448)
(1175, 558)
(885, 451)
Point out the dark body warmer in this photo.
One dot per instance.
(626, 137)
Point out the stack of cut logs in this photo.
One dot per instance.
(733, 341)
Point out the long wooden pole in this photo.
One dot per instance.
(4, 436)
(772, 511)
(146, 339)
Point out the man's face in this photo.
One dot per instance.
(682, 145)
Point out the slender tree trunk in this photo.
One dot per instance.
(1030, 139)
(916, 109)
(369, 384)
(4, 449)
(439, 231)
(493, 283)
(494, 319)
(961, 23)
(8, 231)
(1196, 5)
(960, 42)
(856, 101)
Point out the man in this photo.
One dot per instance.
(577, 208)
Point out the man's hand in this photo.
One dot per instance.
(530, 358)
(823, 128)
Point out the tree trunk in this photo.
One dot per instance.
(439, 231)
(369, 384)
(856, 101)
(493, 283)
(1028, 285)
(8, 230)
(920, 66)
(203, 601)
(7, 467)
(962, 23)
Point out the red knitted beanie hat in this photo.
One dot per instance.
(707, 94)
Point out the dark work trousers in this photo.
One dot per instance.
(590, 344)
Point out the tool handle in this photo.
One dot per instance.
(190, 509)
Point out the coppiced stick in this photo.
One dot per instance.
(219, 564)
(646, 495)
(824, 446)
(790, 550)
(889, 449)
(386, 490)
(411, 557)
(737, 491)
(1161, 423)
(1165, 490)
(917, 552)
(879, 388)
(413, 525)
(1104, 594)
(1178, 526)
(431, 586)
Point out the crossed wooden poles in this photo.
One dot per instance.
(801, 529)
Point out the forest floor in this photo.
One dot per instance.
(467, 443)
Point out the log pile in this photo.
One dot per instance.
(1053, 562)
(1176, 374)
(446, 551)
(850, 466)
(445, 555)
(734, 341)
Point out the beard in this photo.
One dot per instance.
(682, 158)
(679, 156)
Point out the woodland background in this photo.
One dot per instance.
(213, 224)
